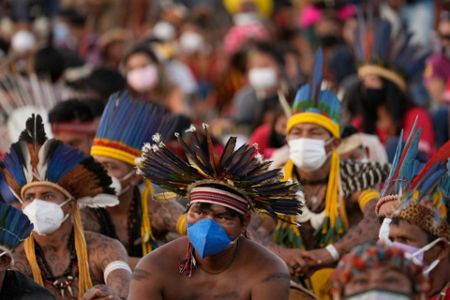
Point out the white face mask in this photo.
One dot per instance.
(46, 216)
(117, 183)
(378, 294)
(191, 42)
(308, 154)
(262, 78)
(143, 79)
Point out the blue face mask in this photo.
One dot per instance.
(208, 238)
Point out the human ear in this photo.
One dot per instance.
(5, 261)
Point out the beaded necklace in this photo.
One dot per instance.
(62, 282)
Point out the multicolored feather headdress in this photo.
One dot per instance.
(393, 58)
(404, 168)
(314, 105)
(237, 179)
(15, 227)
(425, 201)
(127, 124)
(36, 160)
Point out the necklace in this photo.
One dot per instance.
(226, 266)
(64, 281)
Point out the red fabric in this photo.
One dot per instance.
(261, 137)
(427, 141)
(447, 296)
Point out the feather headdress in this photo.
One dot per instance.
(237, 179)
(36, 160)
(15, 227)
(393, 58)
(314, 105)
(404, 168)
(127, 124)
(425, 201)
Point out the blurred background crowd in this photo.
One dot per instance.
(235, 64)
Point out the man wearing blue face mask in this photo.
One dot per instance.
(417, 220)
(371, 272)
(216, 260)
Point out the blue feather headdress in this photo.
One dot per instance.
(404, 168)
(393, 58)
(239, 170)
(127, 124)
(426, 200)
(35, 160)
(15, 227)
(314, 105)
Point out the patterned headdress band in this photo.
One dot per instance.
(205, 194)
(78, 127)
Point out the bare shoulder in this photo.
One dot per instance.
(166, 257)
(104, 249)
(260, 258)
(20, 261)
(90, 221)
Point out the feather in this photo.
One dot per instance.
(101, 200)
(316, 78)
(14, 226)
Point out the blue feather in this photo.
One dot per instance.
(14, 226)
(63, 160)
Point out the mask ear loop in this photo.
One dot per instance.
(426, 247)
(64, 203)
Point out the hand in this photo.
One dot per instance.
(321, 257)
(298, 261)
(100, 292)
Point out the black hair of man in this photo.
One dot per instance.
(71, 110)
(50, 62)
(104, 82)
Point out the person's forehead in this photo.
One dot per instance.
(404, 228)
(42, 189)
(111, 161)
(308, 127)
(215, 208)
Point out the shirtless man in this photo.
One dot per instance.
(139, 221)
(220, 263)
(58, 254)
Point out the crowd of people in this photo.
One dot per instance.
(226, 149)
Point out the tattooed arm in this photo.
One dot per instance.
(106, 250)
(145, 284)
(366, 230)
(164, 215)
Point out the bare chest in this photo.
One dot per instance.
(201, 286)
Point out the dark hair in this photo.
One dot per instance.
(347, 131)
(105, 81)
(71, 110)
(97, 106)
(141, 48)
(49, 62)
(268, 49)
(430, 237)
(397, 103)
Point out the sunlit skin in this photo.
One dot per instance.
(101, 250)
(245, 270)
(385, 277)
(413, 235)
(82, 142)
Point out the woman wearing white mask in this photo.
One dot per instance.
(254, 104)
(339, 195)
(380, 272)
(417, 218)
(147, 80)
(52, 187)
